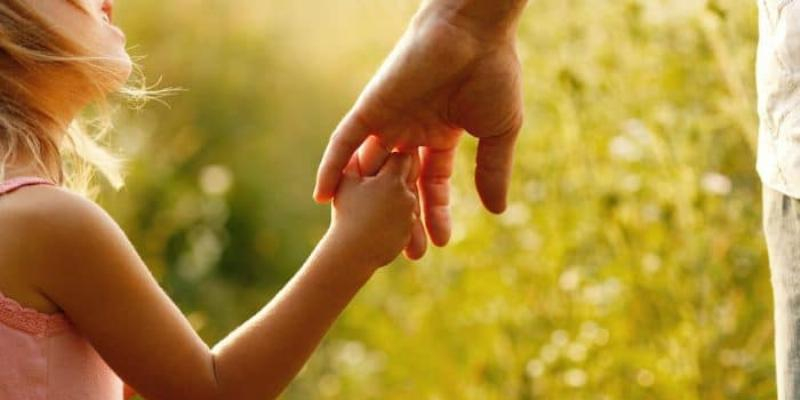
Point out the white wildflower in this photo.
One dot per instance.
(645, 378)
(570, 279)
(716, 183)
(535, 368)
(575, 377)
(215, 180)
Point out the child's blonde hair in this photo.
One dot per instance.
(30, 49)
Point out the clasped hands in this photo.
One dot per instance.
(443, 78)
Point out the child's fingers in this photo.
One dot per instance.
(418, 242)
(351, 175)
(372, 156)
(399, 165)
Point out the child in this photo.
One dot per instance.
(79, 311)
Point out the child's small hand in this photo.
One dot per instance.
(373, 216)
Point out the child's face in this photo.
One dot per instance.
(89, 23)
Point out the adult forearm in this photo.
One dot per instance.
(483, 17)
(260, 358)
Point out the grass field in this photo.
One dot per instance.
(630, 265)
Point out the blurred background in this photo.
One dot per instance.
(630, 264)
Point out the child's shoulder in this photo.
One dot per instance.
(41, 222)
(38, 227)
(45, 208)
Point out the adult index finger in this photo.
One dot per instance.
(344, 142)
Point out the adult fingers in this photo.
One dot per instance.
(344, 142)
(434, 183)
(493, 172)
(414, 172)
(418, 244)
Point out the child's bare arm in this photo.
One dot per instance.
(90, 269)
(84, 263)
(262, 356)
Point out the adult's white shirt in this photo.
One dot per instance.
(778, 83)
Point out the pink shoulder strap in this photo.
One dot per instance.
(13, 184)
(12, 313)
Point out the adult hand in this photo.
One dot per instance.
(448, 74)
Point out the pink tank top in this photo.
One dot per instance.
(43, 356)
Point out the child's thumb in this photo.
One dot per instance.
(398, 164)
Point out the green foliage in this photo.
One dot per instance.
(630, 264)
